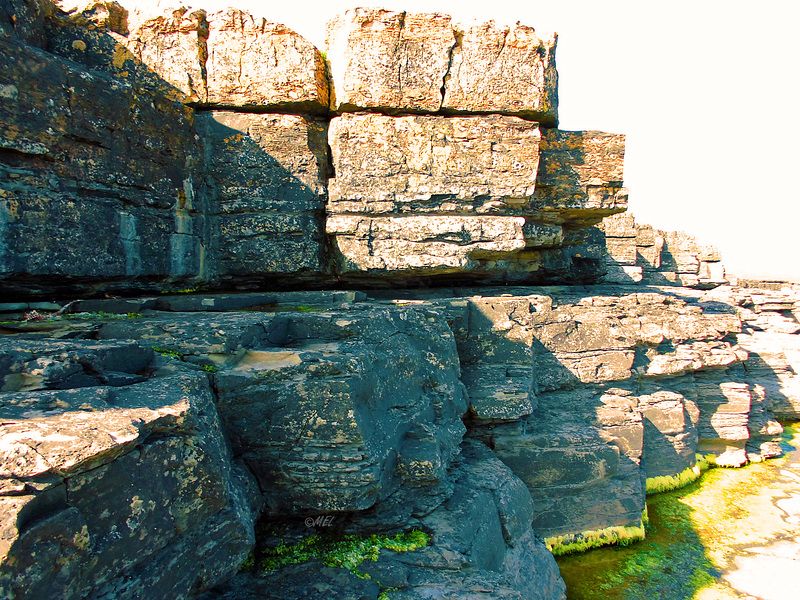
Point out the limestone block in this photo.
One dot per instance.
(269, 173)
(724, 410)
(622, 251)
(494, 340)
(79, 181)
(621, 225)
(509, 70)
(578, 449)
(439, 243)
(389, 60)
(649, 257)
(712, 271)
(695, 356)
(680, 253)
(27, 365)
(707, 253)
(670, 433)
(646, 235)
(581, 172)
(422, 163)
(128, 485)
(218, 59)
(343, 397)
(109, 16)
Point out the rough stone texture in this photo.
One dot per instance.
(24, 20)
(120, 491)
(481, 546)
(268, 173)
(91, 14)
(586, 396)
(395, 61)
(65, 188)
(580, 176)
(478, 164)
(580, 456)
(670, 432)
(429, 245)
(639, 253)
(27, 365)
(356, 410)
(508, 70)
(217, 59)
(383, 59)
(433, 197)
(331, 410)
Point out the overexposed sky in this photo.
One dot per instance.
(707, 92)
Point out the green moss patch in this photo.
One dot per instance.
(580, 542)
(345, 551)
(656, 485)
(693, 536)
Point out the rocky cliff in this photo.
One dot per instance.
(365, 380)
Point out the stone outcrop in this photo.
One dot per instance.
(639, 253)
(352, 408)
(268, 175)
(65, 188)
(225, 197)
(398, 61)
(164, 446)
(389, 379)
(422, 196)
(120, 490)
(216, 59)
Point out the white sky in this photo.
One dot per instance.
(707, 91)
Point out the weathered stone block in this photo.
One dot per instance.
(27, 365)
(621, 251)
(423, 62)
(217, 59)
(649, 257)
(578, 449)
(509, 70)
(77, 181)
(670, 433)
(581, 175)
(431, 244)
(268, 173)
(121, 489)
(621, 225)
(388, 60)
(432, 164)
(323, 406)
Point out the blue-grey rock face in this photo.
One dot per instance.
(118, 490)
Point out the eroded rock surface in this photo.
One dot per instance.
(399, 61)
(268, 174)
(216, 59)
(119, 491)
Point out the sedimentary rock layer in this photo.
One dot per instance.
(118, 491)
(427, 164)
(268, 173)
(76, 180)
(398, 61)
(218, 59)
(639, 253)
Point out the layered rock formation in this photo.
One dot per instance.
(227, 198)
(639, 253)
(151, 444)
